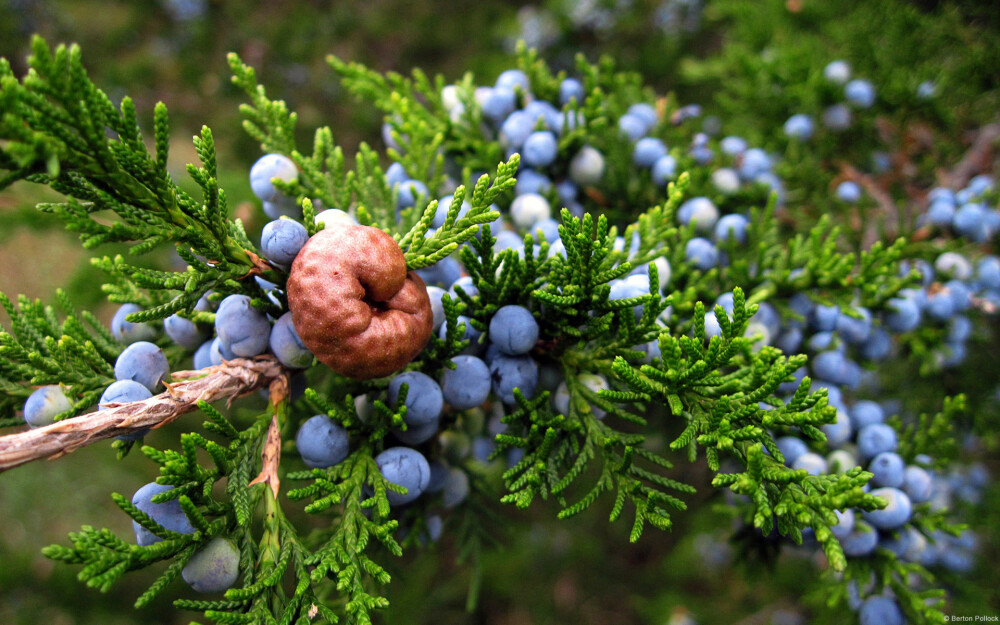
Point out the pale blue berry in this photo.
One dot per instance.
(513, 79)
(407, 468)
(513, 330)
(468, 384)
(799, 127)
(837, 72)
(510, 372)
(888, 469)
(281, 240)
(424, 400)
(701, 253)
(880, 611)
(732, 228)
(128, 332)
(632, 126)
(322, 442)
(44, 405)
(242, 328)
(540, 149)
(664, 170)
(183, 332)
(570, 89)
(267, 168)
(214, 568)
(861, 541)
(838, 117)
(286, 345)
(529, 209)
(647, 151)
(144, 363)
(587, 167)
(895, 514)
(849, 192)
(167, 514)
(860, 93)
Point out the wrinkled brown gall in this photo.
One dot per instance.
(355, 306)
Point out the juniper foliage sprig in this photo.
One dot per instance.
(577, 288)
(479, 529)
(716, 388)
(263, 562)
(324, 176)
(60, 130)
(107, 558)
(422, 250)
(76, 352)
(883, 571)
(342, 554)
(931, 434)
(419, 124)
(815, 262)
(558, 449)
(352, 497)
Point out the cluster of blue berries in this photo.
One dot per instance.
(140, 371)
(506, 365)
(521, 122)
(861, 437)
(966, 212)
(214, 568)
(950, 289)
(858, 94)
(240, 329)
(841, 341)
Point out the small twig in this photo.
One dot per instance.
(887, 207)
(975, 158)
(229, 380)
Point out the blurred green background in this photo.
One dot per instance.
(579, 571)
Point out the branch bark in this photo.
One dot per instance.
(975, 159)
(232, 379)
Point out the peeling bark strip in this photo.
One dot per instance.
(229, 380)
(270, 458)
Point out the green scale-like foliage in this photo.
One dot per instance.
(76, 352)
(62, 131)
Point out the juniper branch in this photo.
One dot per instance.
(229, 380)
